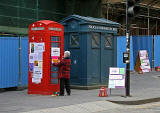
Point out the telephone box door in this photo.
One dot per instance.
(55, 45)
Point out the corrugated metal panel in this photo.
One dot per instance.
(143, 43)
(9, 66)
(24, 61)
(156, 51)
(121, 47)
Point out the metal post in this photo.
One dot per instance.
(107, 10)
(20, 61)
(128, 51)
(148, 21)
(156, 27)
(37, 9)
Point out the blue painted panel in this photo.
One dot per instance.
(156, 51)
(107, 57)
(143, 43)
(93, 66)
(9, 58)
(121, 47)
(83, 43)
(75, 66)
(76, 60)
(24, 61)
(93, 62)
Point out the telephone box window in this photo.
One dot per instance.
(108, 41)
(55, 38)
(54, 68)
(95, 40)
(54, 75)
(74, 41)
(54, 81)
(56, 41)
(55, 44)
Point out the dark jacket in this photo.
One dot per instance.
(64, 68)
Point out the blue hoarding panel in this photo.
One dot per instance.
(121, 47)
(24, 61)
(156, 51)
(9, 58)
(143, 43)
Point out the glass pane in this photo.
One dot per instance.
(54, 69)
(74, 41)
(55, 38)
(54, 81)
(55, 44)
(108, 41)
(95, 40)
(54, 75)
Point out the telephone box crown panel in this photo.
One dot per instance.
(45, 47)
(44, 25)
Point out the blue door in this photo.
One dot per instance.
(100, 57)
(76, 58)
(107, 56)
(94, 59)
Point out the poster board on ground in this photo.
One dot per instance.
(142, 62)
(116, 77)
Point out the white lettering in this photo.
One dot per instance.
(101, 28)
(54, 29)
(37, 28)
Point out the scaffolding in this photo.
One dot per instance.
(145, 23)
(17, 15)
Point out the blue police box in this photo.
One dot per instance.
(92, 43)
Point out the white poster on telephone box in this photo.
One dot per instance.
(37, 73)
(55, 51)
(39, 47)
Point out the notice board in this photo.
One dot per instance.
(142, 62)
(116, 77)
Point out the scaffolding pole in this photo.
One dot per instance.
(148, 22)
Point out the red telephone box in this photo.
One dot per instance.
(46, 44)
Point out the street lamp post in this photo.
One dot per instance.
(128, 52)
(131, 11)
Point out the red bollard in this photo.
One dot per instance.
(102, 92)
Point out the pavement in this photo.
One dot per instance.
(144, 88)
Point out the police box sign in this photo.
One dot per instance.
(102, 28)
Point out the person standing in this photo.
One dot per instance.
(64, 69)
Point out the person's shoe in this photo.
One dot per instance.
(61, 95)
(68, 94)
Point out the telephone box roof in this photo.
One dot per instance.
(46, 22)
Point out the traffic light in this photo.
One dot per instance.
(132, 8)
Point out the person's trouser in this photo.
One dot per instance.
(65, 82)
